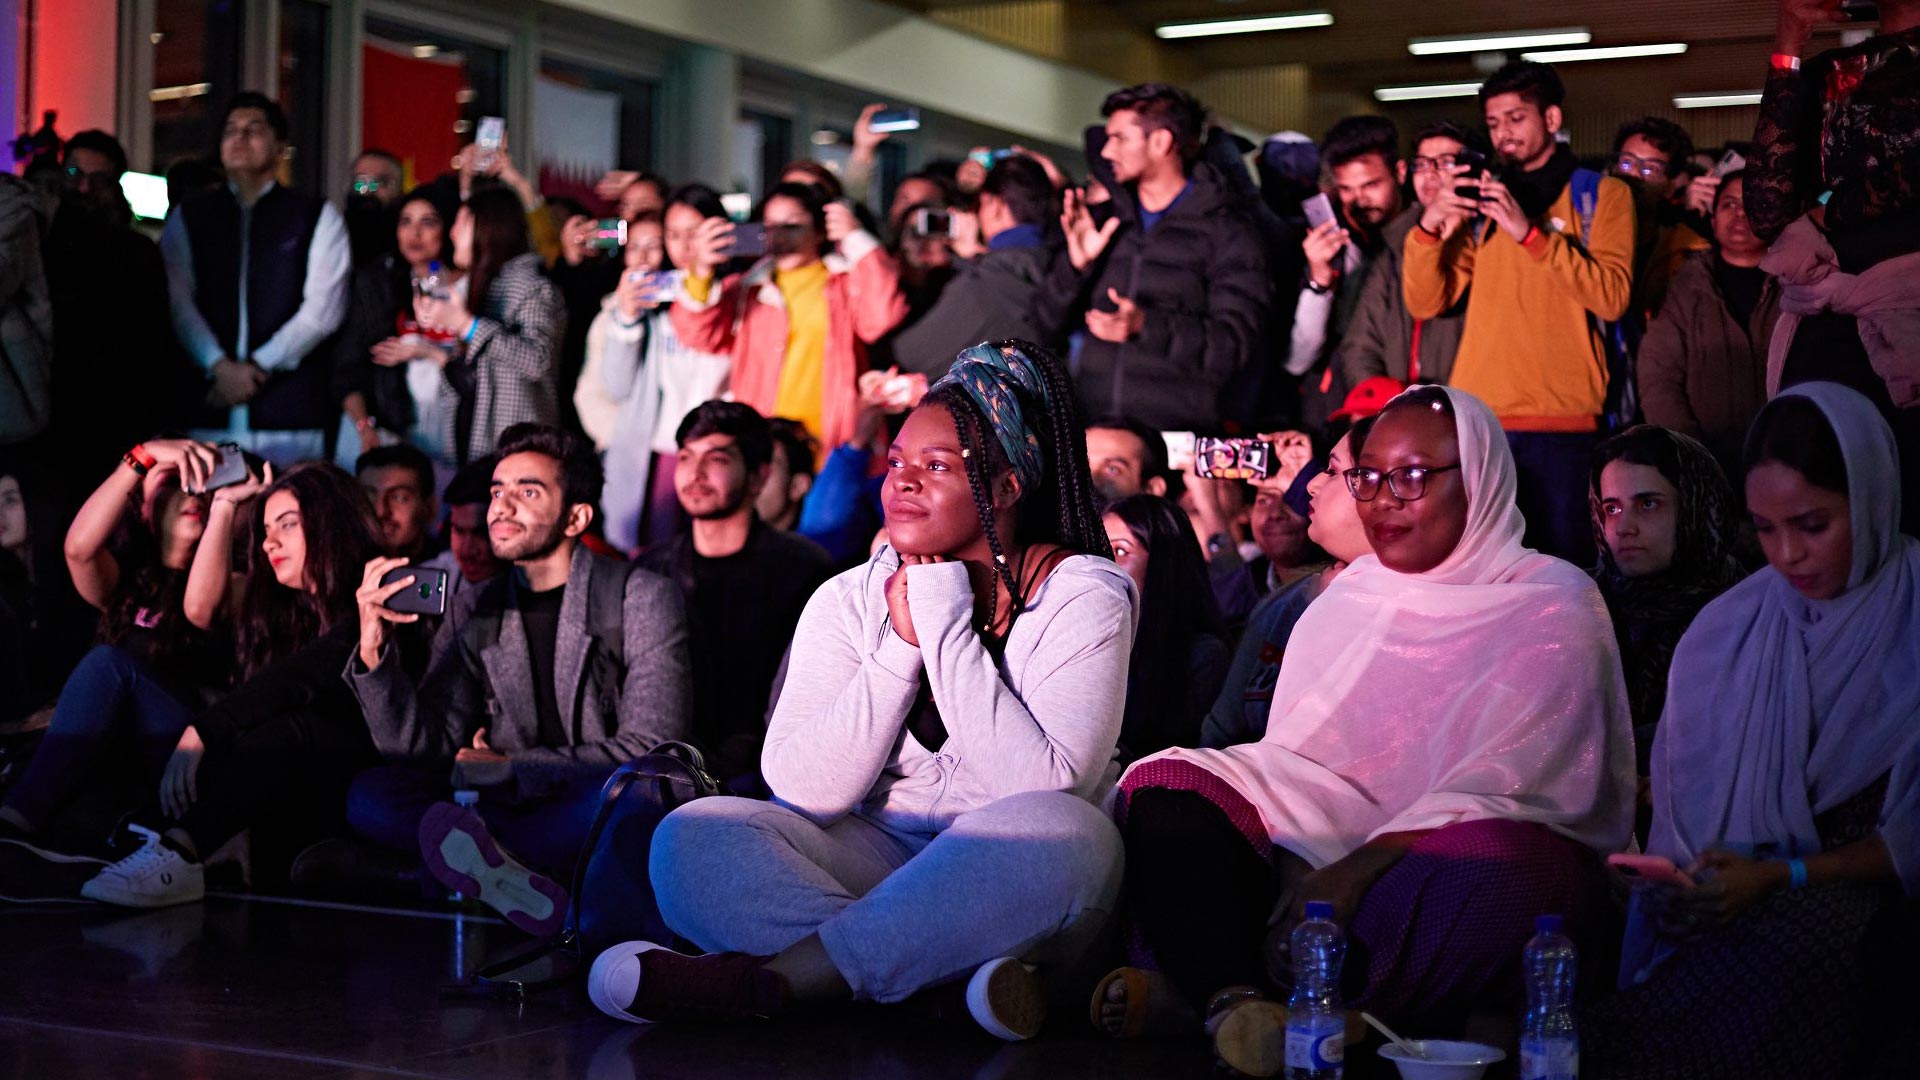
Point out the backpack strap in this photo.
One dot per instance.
(606, 611)
(1585, 187)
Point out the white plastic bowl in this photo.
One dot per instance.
(1446, 1060)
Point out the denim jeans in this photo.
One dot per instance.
(386, 803)
(109, 706)
(1553, 472)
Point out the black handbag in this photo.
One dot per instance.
(612, 898)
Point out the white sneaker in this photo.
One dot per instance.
(154, 876)
(1008, 999)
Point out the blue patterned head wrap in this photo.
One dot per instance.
(993, 376)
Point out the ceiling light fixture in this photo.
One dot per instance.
(1426, 91)
(1517, 39)
(1254, 24)
(1716, 101)
(1611, 52)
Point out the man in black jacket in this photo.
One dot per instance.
(1174, 285)
(990, 297)
(257, 275)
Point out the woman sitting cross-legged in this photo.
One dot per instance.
(1786, 783)
(1447, 752)
(947, 726)
(281, 747)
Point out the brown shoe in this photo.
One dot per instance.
(640, 982)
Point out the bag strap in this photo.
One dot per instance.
(1585, 188)
(606, 610)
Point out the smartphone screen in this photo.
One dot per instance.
(890, 120)
(609, 234)
(737, 204)
(932, 223)
(1319, 210)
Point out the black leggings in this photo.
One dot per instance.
(290, 773)
(1198, 892)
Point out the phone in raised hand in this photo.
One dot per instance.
(1319, 211)
(489, 136)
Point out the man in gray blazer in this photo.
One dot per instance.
(539, 684)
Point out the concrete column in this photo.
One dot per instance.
(699, 106)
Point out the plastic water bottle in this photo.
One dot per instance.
(1316, 1028)
(1549, 1044)
(465, 799)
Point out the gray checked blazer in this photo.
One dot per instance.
(477, 678)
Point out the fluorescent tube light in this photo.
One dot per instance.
(1254, 24)
(1716, 101)
(1517, 39)
(181, 92)
(1613, 52)
(1426, 91)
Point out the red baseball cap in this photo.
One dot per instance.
(1369, 398)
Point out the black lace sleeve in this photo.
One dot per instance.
(1784, 178)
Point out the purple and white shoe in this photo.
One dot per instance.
(463, 856)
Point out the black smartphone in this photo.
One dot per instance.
(932, 223)
(1860, 10)
(426, 596)
(1476, 163)
(749, 240)
(234, 467)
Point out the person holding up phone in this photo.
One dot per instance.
(1786, 782)
(800, 321)
(640, 379)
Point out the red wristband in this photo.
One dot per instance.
(139, 454)
(1784, 62)
(1532, 231)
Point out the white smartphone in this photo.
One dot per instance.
(1731, 161)
(488, 138)
(1319, 210)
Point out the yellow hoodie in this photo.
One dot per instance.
(1530, 349)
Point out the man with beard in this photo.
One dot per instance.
(1363, 159)
(1652, 154)
(540, 684)
(1127, 458)
(745, 582)
(114, 378)
(1547, 270)
(371, 202)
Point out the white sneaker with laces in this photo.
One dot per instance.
(154, 876)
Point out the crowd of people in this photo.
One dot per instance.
(1562, 514)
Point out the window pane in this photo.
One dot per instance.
(422, 92)
(303, 88)
(763, 146)
(196, 68)
(586, 121)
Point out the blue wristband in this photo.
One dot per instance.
(1797, 871)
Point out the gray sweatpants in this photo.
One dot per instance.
(1033, 875)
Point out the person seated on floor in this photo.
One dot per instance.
(745, 583)
(468, 559)
(1662, 519)
(1239, 714)
(128, 552)
(1786, 781)
(1180, 650)
(280, 749)
(1495, 662)
(790, 473)
(399, 483)
(539, 685)
(947, 727)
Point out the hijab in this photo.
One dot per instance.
(1651, 613)
(1780, 708)
(1488, 687)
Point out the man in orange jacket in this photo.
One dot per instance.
(1549, 257)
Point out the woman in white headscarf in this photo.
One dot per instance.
(1786, 777)
(1448, 751)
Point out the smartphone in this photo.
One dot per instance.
(488, 138)
(1179, 449)
(738, 205)
(234, 467)
(903, 392)
(749, 240)
(932, 223)
(426, 596)
(1476, 163)
(890, 120)
(1657, 869)
(1319, 210)
(657, 286)
(989, 158)
(1233, 459)
(1860, 10)
(1731, 161)
(609, 234)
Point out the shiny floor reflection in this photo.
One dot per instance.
(239, 987)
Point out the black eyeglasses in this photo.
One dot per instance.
(1408, 482)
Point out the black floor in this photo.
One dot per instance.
(261, 988)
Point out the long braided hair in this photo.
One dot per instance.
(1063, 508)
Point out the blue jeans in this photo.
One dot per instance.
(110, 704)
(386, 803)
(1553, 470)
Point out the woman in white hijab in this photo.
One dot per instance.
(1786, 778)
(1448, 751)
